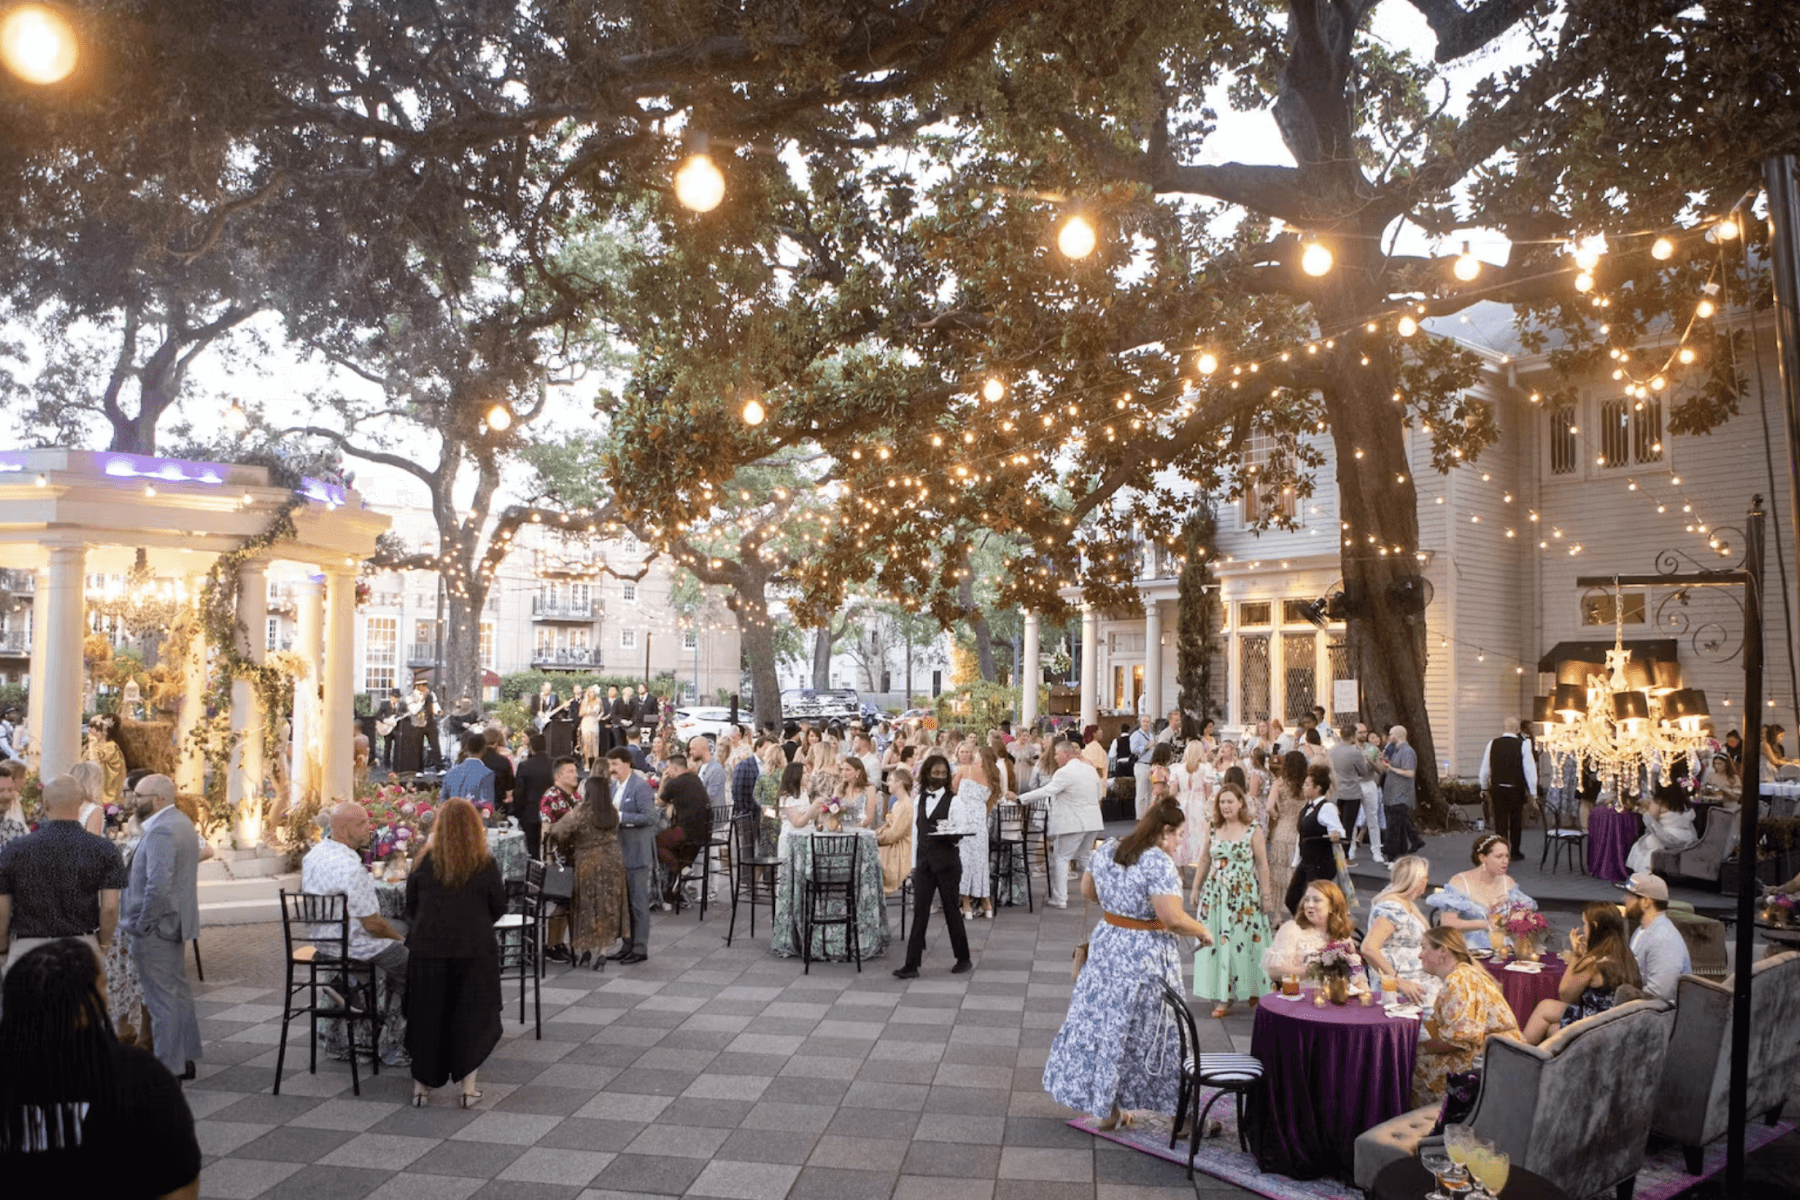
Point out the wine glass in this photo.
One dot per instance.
(1451, 1179)
(1457, 1141)
(1491, 1167)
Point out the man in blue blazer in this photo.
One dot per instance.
(161, 915)
(637, 844)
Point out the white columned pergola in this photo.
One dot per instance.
(1030, 673)
(1153, 658)
(1090, 666)
(69, 514)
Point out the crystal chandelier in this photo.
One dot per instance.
(1625, 721)
(143, 603)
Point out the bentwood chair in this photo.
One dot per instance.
(752, 875)
(1233, 1074)
(520, 931)
(829, 898)
(315, 930)
(1009, 856)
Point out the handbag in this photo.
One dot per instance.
(559, 880)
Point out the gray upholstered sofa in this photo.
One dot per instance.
(1575, 1110)
(1704, 858)
(1691, 1102)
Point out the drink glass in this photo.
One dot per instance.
(1490, 1166)
(1452, 1181)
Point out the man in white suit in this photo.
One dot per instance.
(1074, 796)
(161, 915)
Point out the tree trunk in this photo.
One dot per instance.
(460, 672)
(1194, 621)
(978, 623)
(758, 639)
(1377, 500)
(821, 665)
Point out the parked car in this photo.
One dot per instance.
(702, 721)
(821, 704)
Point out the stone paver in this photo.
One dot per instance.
(708, 1072)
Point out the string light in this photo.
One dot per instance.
(1467, 265)
(499, 418)
(38, 44)
(699, 184)
(754, 414)
(1077, 238)
(993, 390)
(1662, 249)
(1406, 326)
(1316, 259)
(1207, 363)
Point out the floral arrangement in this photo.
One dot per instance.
(1778, 909)
(1520, 920)
(832, 806)
(1335, 960)
(115, 816)
(399, 821)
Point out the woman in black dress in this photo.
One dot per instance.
(453, 898)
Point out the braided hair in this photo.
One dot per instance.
(56, 1046)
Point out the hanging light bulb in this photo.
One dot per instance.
(1316, 259)
(1406, 326)
(1207, 363)
(993, 389)
(698, 184)
(1588, 251)
(38, 44)
(1467, 265)
(1077, 238)
(1726, 229)
(1686, 354)
(754, 413)
(1662, 249)
(236, 419)
(1584, 282)
(499, 418)
(1704, 309)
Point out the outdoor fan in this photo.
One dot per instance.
(1410, 595)
(1334, 605)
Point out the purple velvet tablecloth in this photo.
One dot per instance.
(1523, 989)
(1328, 1074)
(1610, 835)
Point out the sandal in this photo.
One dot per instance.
(1219, 1011)
(1120, 1119)
(419, 1099)
(468, 1099)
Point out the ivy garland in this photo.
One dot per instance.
(211, 736)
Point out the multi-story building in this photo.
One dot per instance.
(1594, 487)
(556, 603)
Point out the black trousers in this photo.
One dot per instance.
(534, 833)
(939, 874)
(1304, 874)
(1509, 815)
(1402, 836)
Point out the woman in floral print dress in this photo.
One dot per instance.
(1231, 886)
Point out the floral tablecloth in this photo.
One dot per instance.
(831, 942)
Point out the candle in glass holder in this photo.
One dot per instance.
(1319, 999)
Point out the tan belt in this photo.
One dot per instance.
(1152, 926)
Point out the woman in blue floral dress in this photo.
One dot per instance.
(1231, 886)
(1118, 1050)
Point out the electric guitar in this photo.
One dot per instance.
(544, 719)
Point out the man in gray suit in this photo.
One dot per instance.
(162, 914)
(637, 843)
(1073, 794)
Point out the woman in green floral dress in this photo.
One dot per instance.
(768, 799)
(1231, 885)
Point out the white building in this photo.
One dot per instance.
(1595, 488)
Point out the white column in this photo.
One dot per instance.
(244, 778)
(337, 747)
(1090, 666)
(309, 635)
(1030, 673)
(190, 766)
(56, 710)
(40, 621)
(1153, 664)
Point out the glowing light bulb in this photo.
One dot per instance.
(1584, 282)
(1726, 229)
(1662, 249)
(1207, 363)
(1686, 355)
(754, 413)
(1658, 383)
(1704, 309)
(38, 44)
(1588, 251)
(993, 389)
(698, 184)
(1467, 265)
(1406, 326)
(1077, 238)
(1315, 259)
(499, 418)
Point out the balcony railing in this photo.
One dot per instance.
(563, 656)
(421, 654)
(555, 608)
(14, 580)
(14, 641)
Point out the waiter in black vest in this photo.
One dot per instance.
(937, 871)
(1509, 777)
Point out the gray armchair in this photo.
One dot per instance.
(1701, 860)
(1575, 1110)
(1691, 1101)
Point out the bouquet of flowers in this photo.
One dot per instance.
(1519, 920)
(399, 822)
(1778, 909)
(115, 816)
(1335, 960)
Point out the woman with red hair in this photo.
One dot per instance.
(453, 898)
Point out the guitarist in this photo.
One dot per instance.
(387, 725)
(543, 704)
(423, 714)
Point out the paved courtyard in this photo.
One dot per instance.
(709, 1071)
